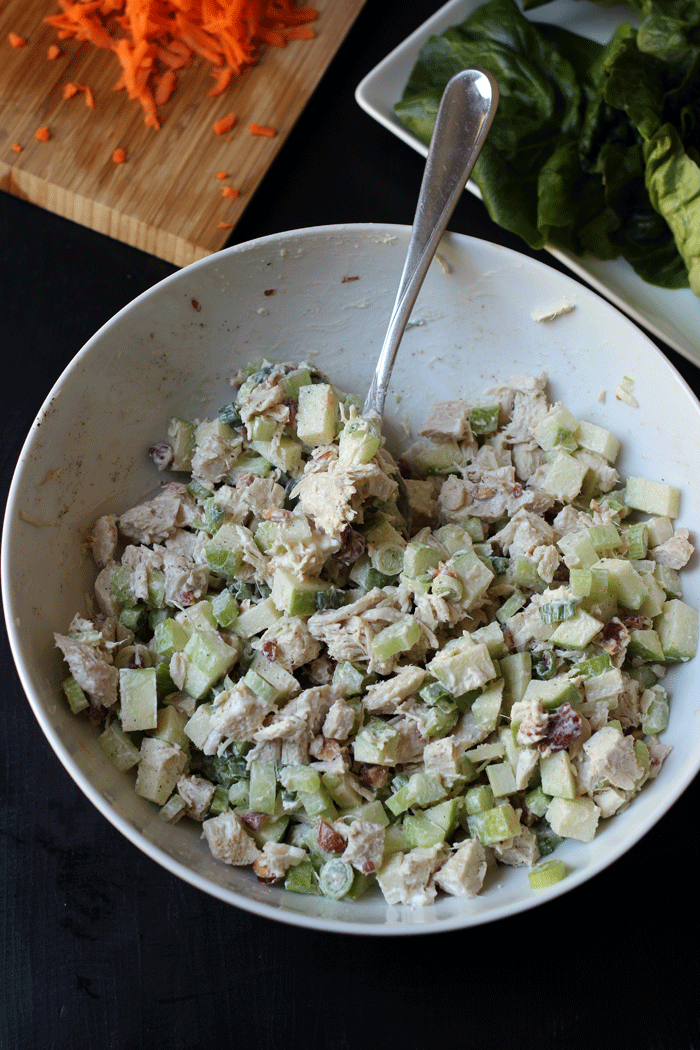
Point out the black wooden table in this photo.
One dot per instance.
(101, 948)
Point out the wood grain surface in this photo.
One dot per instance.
(166, 199)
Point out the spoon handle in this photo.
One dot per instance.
(464, 117)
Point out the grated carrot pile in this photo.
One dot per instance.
(262, 129)
(16, 40)
(152, 39)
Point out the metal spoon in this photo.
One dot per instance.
(466, 111)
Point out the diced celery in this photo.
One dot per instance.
(182, 439)
(594, 665)
(494, 825)
(260, 686)
(225, 608)
(353, 679)
(431, 826)
(475, 576)
(285, 453)
(677, 627)
(198, 727)
(669, 580)
(657, 714)
(645, 645)
(516, 671)
(422, 789)
(419, 558)
(295, 380)
(557, 610)
(262, 787)
(578, 550)
(637, 539)
(376, 743)
(556, 429)
(170, 637)
(537, 801)
(659, 530)
(173, 810)
(257, 618)
(525, 574)
(398, 637)
(483, 418)
(605, 537)
(301, 878)
(293, 596)
(553, 693)
(300, 778)
(511, 606)
(77, 700)
(547, 873)
(454, 538)
(118, 747)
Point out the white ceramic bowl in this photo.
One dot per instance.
(173, 350)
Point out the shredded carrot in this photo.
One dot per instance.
(69, 90)
(151, 39)
(53, 53)
(119, 155)
(228, 191)
(42, 134)
(225, 124)
(15, 147)
(262, 129)
(16, 40)
(225, 225)
(223, 79)
(222, 174)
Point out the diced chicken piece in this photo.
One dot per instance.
(103, 540)
(231, 499)
(528, 760)
(570, 520)
(529, 405)
(674, 553)
(612, 757)
(411, 742)
(605, 475)
(312, 705)
(384, 697)
(276, 859)
(289, 643)
(160, 768)
(228, 839)
(143, 561)
(527, 457)
(533, 719)
(214, 455)
(185, 582)
(196, 793)
(365, 846)
(340, 720)
(463, 873)
(527, 626)
(336, 497)
(265, 399)
(441, 757)
(91, 671)
(259, 494)
(408, 878)
(239, 716)
(518, 852)
(658, 753)
(496, 494)
(609, 801)
(447, 421)
(524, 533)
(155, 520)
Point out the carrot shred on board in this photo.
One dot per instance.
(16, 148)
(42, 134)
(69, 90)
(16, 40)
(222, 174)
(262, 129)
(231, 193)
(225, 225)
(224, 124)
(119, 155)
(151, 39)
(53, 53)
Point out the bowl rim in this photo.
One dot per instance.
(107, 810)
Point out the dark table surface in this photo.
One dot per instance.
(100, 947)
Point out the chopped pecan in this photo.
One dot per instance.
(517, 490)
(564, 727)
(481, 492)
(261, 867)
(326, 749)
(615, 636)
(374, 777)
(269, 649)
(292, 408)
(330, 840)
(637, 622)
(161, 454)
(277, 515)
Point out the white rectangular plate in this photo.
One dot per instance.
(673, 316)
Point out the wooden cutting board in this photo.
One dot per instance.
(165, 199)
